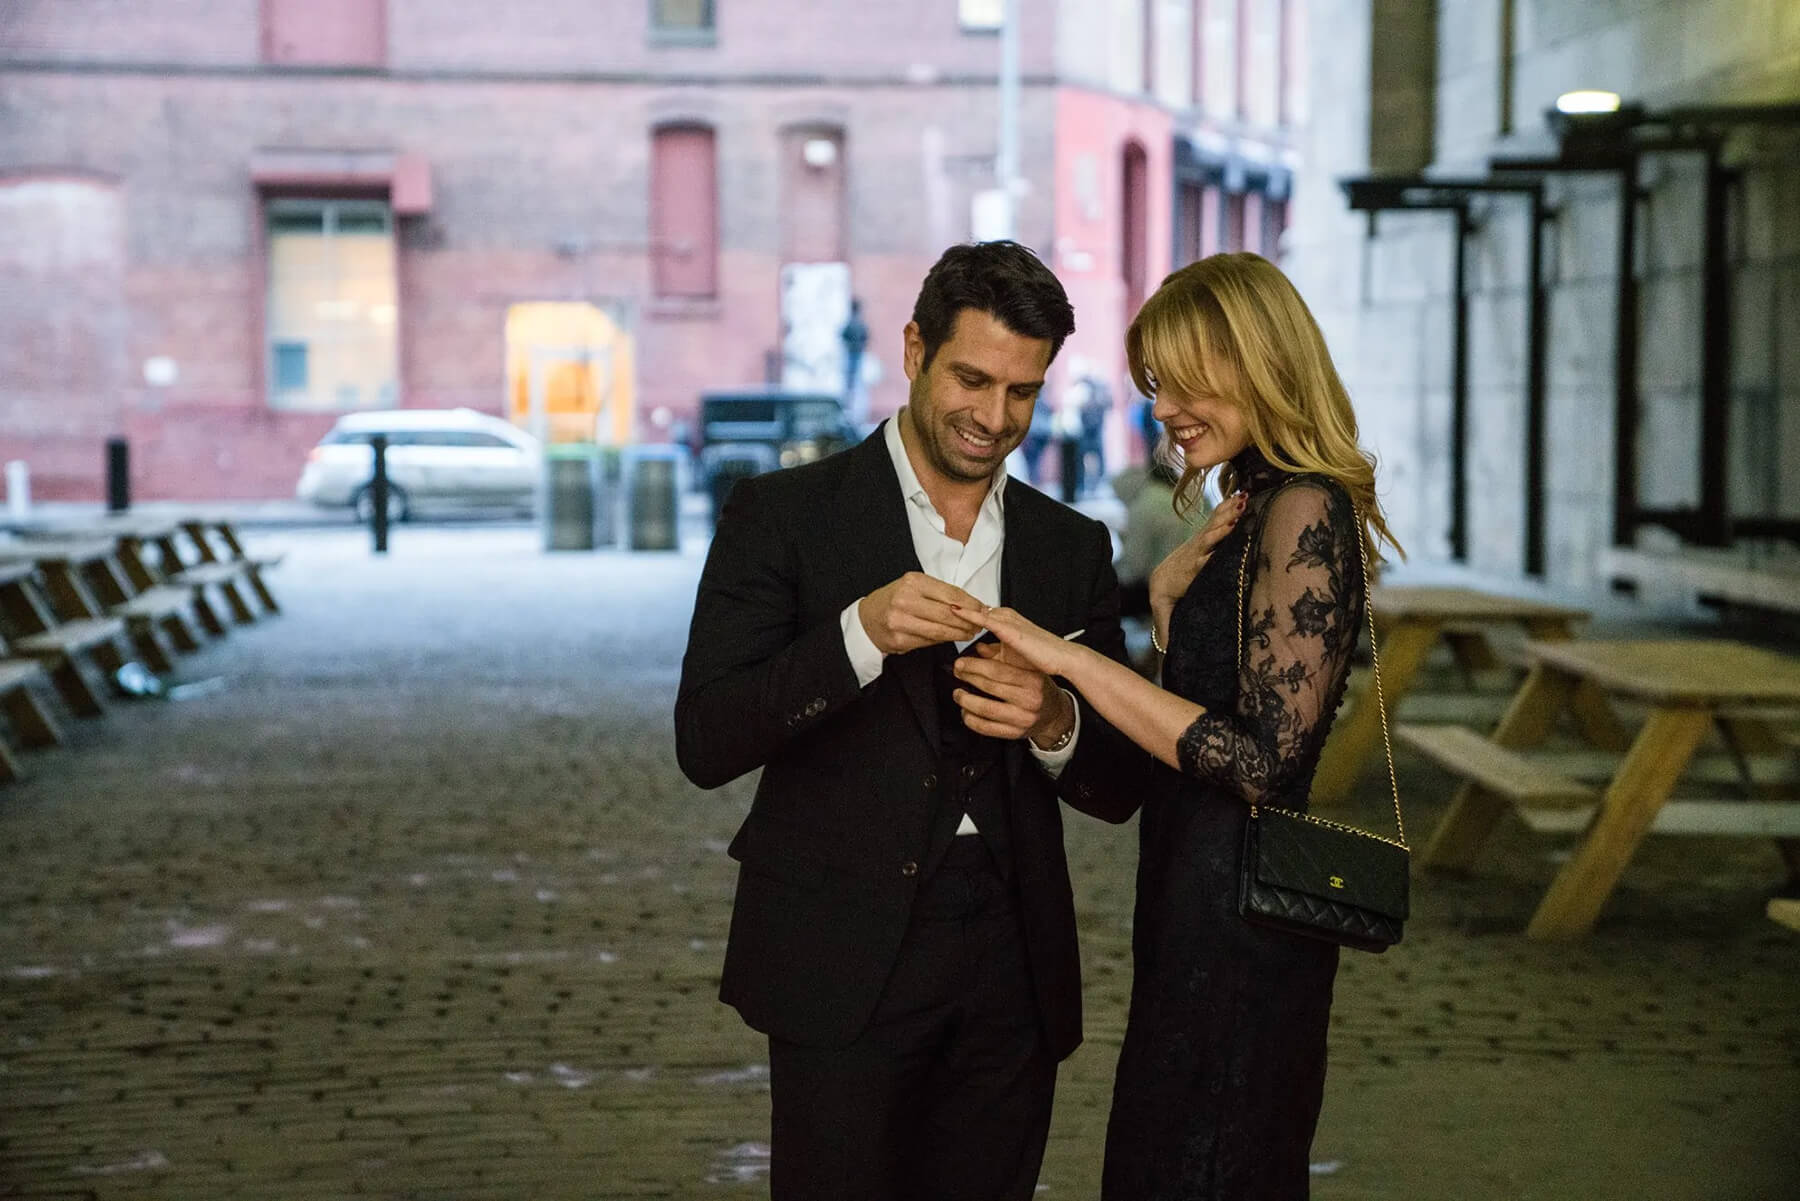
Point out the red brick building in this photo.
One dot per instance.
(223, 222)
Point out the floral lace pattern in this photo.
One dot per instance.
(1269, 708)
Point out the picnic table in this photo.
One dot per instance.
(1690, 687)
(30, 627)
(1411, 622)
(31, 722)
(90, 578)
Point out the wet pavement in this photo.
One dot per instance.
(418, 906)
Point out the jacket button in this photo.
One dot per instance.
(930, 782)
(815, 708)
(909, 869)
(968, 772)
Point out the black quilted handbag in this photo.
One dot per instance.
(1319, 878)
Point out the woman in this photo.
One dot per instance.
(1223, 1067)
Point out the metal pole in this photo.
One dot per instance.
(1459, 397)
(1625, 364)
(378, 494)
(118, 475)
(1006, 164)
(1536, 368)
(1715, 364)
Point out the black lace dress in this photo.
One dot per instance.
(1223, 1068)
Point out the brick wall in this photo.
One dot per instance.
(535, 120)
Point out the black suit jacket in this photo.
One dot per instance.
(832, 850)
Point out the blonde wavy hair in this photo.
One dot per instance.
(1240, 313)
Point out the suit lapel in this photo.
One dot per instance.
(877, 546)
(1027, 560)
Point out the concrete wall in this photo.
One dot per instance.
(1385, 304)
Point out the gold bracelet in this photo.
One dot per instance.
(1159, 648)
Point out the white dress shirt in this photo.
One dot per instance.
(973, 566)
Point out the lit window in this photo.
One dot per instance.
(981, 14)
(681, 20)
(332, 305)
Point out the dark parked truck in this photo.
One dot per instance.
(750, 432)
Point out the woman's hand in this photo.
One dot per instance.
(1169, 581)
(1030, 643)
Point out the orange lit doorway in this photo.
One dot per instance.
(569, 373)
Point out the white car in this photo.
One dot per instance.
(434, 455)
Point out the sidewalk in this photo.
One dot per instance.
(418, 906)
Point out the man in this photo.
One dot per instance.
(903, 930)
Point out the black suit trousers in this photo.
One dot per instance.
(946, 1095)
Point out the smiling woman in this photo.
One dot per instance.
(1222, 1070)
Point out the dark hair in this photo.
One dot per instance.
(1002, 279)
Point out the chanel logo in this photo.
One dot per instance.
(1336, 881)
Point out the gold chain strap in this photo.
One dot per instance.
(1374, 657)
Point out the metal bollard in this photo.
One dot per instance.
(118, 475)
(654, 505)
(378, 494)
(18, 490)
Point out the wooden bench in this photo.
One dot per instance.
(91, 578)
(201, 531)
(29, 628)
(1708, 575)
(1495, 769)
(1785, 910)
(1547, 797)
(31, 722)
(197, 579)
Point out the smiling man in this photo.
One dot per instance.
(903, 930)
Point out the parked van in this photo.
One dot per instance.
(435, 456)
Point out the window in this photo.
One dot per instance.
(681, 21)
(1275, 223)
(812, 196)
(684, 212)
(337, 33)
(981, 16)
(1134, 227)
(1232, 237)
(332, 305)
(1197, 67)
(1147, 19)
(1240, 105)
(1293, 63)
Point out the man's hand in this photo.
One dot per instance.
(914, 611)
(1021, 702)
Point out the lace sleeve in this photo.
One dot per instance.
(1300, 624)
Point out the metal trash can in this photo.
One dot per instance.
(606, 498)
(655, 498)
(571, 483)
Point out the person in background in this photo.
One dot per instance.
(855, 336)
(1096, 402)
(1037, 437)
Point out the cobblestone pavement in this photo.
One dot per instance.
(417, 906)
